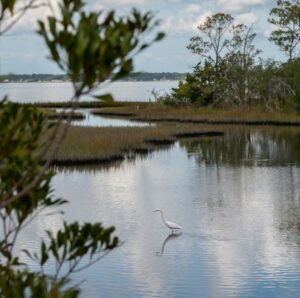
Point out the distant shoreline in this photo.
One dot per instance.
(119, 81)
(50, 78)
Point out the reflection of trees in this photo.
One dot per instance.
(88, 168)
(244, 148)
(250, 147)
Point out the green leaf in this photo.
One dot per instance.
(108, 98)
(160, 36)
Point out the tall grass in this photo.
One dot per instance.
(160, 112)
(100, 144)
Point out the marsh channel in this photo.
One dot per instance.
(237, 198)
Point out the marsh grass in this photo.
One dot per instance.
(94, 145)
(81, 104)
(233, 115)
(106, 144)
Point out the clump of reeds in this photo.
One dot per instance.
(157, 112)
(103, 144)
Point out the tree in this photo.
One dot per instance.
(286, 18)
(290, 73)
(90, 47)
(212, 44)
(229, 53)
(213, 41)
(270, 86)
(199, 87)
(239, 61)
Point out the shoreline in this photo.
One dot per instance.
(159, 113)
(105, 145)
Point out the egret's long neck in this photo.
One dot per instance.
(162, 217)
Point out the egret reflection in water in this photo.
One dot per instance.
(170, 237)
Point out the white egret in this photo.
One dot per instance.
(171, 225)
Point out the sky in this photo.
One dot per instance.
(22, 51)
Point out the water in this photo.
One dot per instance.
(101, 121)
(237, 198)
(44, 92)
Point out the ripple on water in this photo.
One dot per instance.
(240, 221)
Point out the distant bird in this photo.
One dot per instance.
(171, 225)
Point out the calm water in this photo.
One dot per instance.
(236, 197)
(43, 92)
(95, 120)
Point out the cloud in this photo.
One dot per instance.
(185, 22)
(238, 5)
(127, 2)
(179, 19)
(193, 8)
(267, 32)
(246, 18)
(28, 22)
(123, 4)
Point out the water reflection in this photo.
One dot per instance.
(241, 220)
(129, 159)
(171, 237)
(249, 147)
(91, 120)
(94, 121)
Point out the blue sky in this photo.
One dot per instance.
(22, 51)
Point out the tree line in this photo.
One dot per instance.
(134, 76)
(231, 70)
